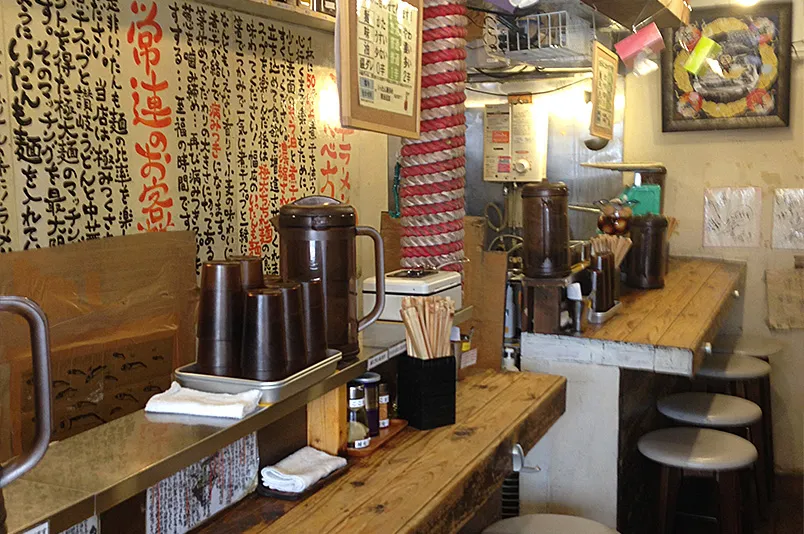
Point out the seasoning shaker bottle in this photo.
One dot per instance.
(385, 404)
(370, 383)
(358, 437)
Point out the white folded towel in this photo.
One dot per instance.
(192, 402)
(300, 470)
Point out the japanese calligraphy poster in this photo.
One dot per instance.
(87, 526)
(119, 117)
(387, 40)
(788, 218)
(732, 217)
(183, 500)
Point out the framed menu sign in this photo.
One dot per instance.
(380, 65)
(604, 87)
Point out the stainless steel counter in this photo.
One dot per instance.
(93, 471)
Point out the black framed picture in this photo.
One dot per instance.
(744, 81)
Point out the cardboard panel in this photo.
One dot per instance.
(121, 313)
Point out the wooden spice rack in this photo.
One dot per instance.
(395, 427)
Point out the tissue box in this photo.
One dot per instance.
(647, 38)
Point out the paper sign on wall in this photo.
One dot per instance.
(120, 117)
(788, 218)
(180, 502)
(387, 35)
(732, 217)
(88, 526)
(785, 293)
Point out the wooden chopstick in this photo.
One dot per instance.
(428, 324)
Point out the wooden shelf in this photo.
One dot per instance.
(421, 481)
(280, 11)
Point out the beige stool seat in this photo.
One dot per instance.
(547, 524)
(733, 367)
(698, 448)
(710, 410)
(745, 345)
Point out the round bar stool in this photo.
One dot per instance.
(763, 348)
(748, 377)
(701, 449)
(713, 410)
(745, 345)
(547, 524)
(733, 367)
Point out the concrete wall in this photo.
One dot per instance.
(768, 158)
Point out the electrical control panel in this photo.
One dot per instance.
(514, 143)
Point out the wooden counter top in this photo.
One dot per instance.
(662, 329)
(422, 481)
(694, 293)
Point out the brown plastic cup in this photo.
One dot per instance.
(270, 279)
(604, 263)
(218, 357)
(250, 271)
(263, 353)
(314, 319)
(293, 325)
(220, 315)
(221, 276)
(220, 309)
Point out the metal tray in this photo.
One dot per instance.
(601, 317)
(271, 391)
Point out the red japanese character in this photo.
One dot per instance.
(329, 150)
(155, 114)
(329, 170)
(328, 186)
(150, 33)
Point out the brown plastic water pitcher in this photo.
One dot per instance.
(317, 237)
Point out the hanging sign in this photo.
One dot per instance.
(380, 65)
(604, 87)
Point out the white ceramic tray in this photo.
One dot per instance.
(271, 391)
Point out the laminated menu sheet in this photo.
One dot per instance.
(182, 501)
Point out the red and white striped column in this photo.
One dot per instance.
(433, 166)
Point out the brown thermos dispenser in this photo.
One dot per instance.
(317, 240)
(545, 211)
(647, 263)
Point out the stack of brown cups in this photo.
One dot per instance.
(269, 279)
(220, 317)
(314, 320)
(291, 322)
(263, 354)
(250, 271)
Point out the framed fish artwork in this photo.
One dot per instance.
(728, 68)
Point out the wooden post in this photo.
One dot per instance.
(326, 422)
